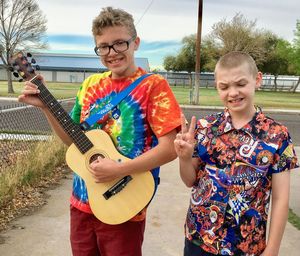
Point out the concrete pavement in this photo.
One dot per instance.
(46, 233)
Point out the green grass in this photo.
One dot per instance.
(294, 219)
(208, 97)
(59, 90)
(264, 99)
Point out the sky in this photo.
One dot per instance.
(161, 24)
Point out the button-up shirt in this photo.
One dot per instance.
(229, 201)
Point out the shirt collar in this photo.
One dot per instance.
(224, 124)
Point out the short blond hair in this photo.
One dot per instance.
(110, 17)
(235, 59)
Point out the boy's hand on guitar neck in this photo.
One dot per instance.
(30, 92)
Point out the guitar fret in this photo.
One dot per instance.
(78, 137)
(85, 145)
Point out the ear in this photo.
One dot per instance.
(137, 42)
(258, 80)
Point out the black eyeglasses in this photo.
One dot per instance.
(119, 46)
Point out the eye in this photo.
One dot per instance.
(120, 43)
(223, 88)
(103, 47)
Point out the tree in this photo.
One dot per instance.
(22, 26)
(169, 63)
(277, 59)
(240, 34)
(295, 58)
(297, 35)
(211, 52)
(186, 58)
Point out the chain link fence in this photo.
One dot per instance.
(21, 126)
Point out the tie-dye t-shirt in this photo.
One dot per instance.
(230, 199)
(147, 113)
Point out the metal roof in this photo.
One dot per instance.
(77, 62)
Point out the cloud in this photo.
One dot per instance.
(163, 25)
(171, 19)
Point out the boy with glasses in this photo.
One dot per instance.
(142, 126)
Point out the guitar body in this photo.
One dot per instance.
(128, 198)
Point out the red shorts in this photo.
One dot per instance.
(91, 237)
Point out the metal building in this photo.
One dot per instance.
(71, 67)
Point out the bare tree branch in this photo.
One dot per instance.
(22, 26)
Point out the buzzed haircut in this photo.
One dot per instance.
(111, 17)
(235, 59)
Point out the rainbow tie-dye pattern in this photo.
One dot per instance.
(148, 112)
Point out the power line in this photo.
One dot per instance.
(149, 5)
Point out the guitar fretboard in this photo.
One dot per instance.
(73, 130)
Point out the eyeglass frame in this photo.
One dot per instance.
(112, 46)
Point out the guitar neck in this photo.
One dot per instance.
(73, 130)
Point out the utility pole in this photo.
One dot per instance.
(198, 46)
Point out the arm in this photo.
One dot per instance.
(184, 146)
(104, 170)
(29, 96)
(279, 211)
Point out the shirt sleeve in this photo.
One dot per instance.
(285, 157)
(163, 109)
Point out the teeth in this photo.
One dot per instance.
(114, 61)
(234, 101)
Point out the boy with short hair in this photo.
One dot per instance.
(233, 162)
(142, 126)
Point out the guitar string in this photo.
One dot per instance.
(73, 130)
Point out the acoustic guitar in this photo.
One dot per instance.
(111, 202)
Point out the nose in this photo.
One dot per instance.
(233, 91)
(112, 51)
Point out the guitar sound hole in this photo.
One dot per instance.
(94, 157)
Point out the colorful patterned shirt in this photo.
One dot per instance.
(230, 199)
(147, 113)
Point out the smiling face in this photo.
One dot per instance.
(236, 87)
(120, 64)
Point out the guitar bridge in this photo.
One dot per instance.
(117, 187)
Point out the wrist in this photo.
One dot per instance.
(122, 169)
(271, 251)
(185, 160)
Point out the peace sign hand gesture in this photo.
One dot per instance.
(185, 141)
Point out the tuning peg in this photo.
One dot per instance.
(20, 80)
(16, 74)
(33, 61)
(37, 67)
(30, 69)
(29, 54)
(11, 69)
(17, 67)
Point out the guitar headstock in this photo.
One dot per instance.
(21, 66)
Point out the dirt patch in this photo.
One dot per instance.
(29, 199)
